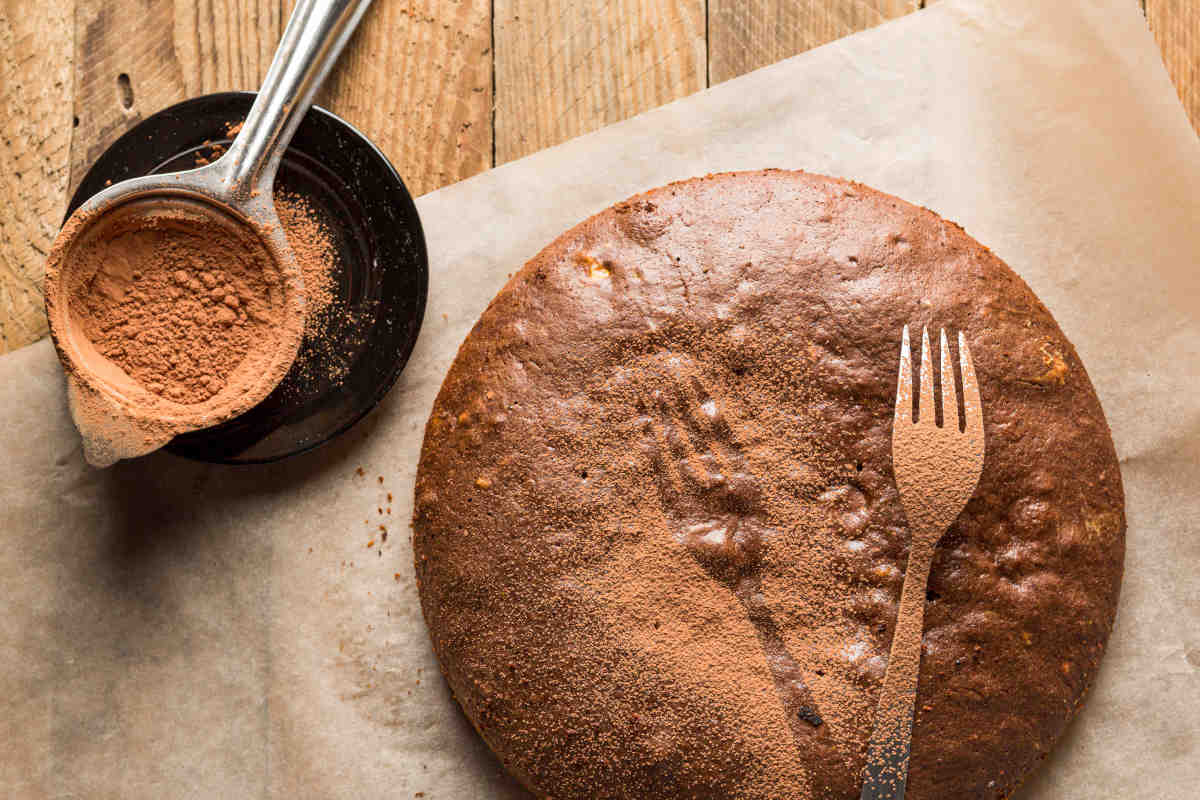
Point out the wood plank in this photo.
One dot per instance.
(417, 80)
(747, 34)
(566, 67)
(393, 82)
(134, 57)
(35, 140)
(1176, 26)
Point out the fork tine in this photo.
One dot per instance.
(903, 410)
(949, 395)
(972, 407)
(925, 410)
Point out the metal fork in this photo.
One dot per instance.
(937, 468)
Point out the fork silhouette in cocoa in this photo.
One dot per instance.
(713, 503)
(937, 468)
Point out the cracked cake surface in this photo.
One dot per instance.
(657, 537)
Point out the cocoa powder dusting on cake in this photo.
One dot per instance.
(656, 531)
(713, 451)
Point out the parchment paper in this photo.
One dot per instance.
(175, 630)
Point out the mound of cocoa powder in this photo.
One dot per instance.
(175, 298)
(177, 303)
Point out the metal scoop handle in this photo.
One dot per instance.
(315, 35)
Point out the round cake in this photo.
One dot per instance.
(657, 534)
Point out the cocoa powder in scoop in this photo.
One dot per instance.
(176, 303)
(178, 306)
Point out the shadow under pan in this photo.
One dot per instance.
(380, 276)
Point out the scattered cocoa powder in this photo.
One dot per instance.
(175, 295)
(332, 332)
(308, 236)
(312, 244)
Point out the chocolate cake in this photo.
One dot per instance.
(657, 536)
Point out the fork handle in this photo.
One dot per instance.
(886, 770)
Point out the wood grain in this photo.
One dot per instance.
(566, 67)
(1176, 27)
(747, 34)
(393, 81)
(135, 57)
(35, 139)
(417, 80)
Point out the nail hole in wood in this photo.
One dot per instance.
(126, 90)
(75, 122)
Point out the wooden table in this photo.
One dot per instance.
(447, 88)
